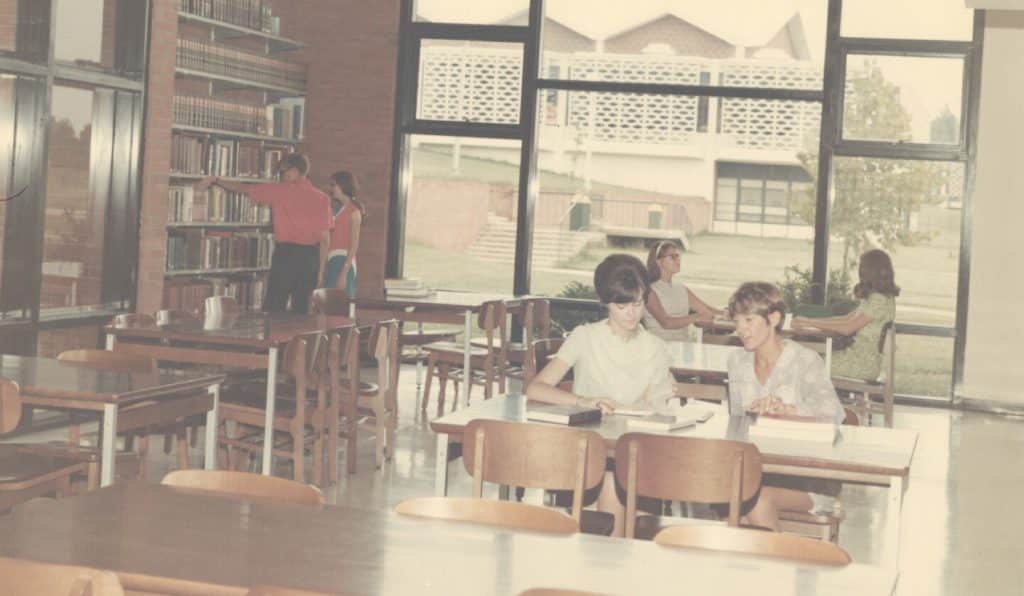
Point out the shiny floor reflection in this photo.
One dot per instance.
(961, 525)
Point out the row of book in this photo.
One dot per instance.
(190, 294)
(229, 158)
(245, 13)
(283, 119)
(224, 60)
(216, 205)
(202, 249)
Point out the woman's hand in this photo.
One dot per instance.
(606, 406)
(771, 405)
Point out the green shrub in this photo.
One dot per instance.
(565, 318)
(796, 292)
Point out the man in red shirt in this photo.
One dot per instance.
(302, 223)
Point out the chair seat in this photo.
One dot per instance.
(254, 403)
(455, 348)
(19, 465)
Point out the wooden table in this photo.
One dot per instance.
(440, 307)
(861, 454)
(251, 340)
(50, 383)
(145, 532)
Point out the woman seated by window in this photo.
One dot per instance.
(614, 361)
(669, 304)
(771, 375)
(877, 291)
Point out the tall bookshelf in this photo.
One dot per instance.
(238, 106)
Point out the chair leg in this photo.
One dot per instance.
(182, 432)
(442, 382)
(488, 381)
(333, 428)
(318, 459)
(298, 457)
(168, 443)
(143, 455)
(431, 363)
(381, 429)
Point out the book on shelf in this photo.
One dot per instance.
(285, 118)
(216, 59)
(203, 249)
(216, 205)
(190, 294)
(793, 428)
(571, 415)
(660, 422)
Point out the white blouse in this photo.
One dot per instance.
(631, 371)
(675, 301)
(799, 378)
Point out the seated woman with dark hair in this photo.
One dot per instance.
(771, 375)
(615, 361)
(877, 291)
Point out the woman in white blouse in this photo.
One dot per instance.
(776, 376)
(669, 304)
(615, 361)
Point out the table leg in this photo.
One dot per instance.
(893, 518)
(211, 430)
(828, 355)
(467, 374)
(109, 452)
(268, 420)
(441, 466)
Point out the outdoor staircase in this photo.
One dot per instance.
(551, 247)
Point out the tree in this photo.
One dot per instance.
(872, 199)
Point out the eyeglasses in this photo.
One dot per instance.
(674, 256)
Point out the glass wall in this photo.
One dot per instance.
(101, 34)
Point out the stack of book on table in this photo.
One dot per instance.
(793, 428)
(406, 288)
(562, 414)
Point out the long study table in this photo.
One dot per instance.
(162, 539)
(864, 455)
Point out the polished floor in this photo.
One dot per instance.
(963, 531)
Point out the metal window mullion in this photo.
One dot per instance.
(407, 69)
(904, 47)
(528, 183)
(469, 32)
(776, 93)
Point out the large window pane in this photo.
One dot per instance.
(903, 99)
(76, 202)
(924, 365)
(505, 12)
(619, 172)
(466, 81)
(678, 41)
(105, 34)
(461, 212)
(7, 129)
(912, 210)
(907, 19)
(25, 28)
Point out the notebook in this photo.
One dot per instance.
(563, 414)
(793, 428)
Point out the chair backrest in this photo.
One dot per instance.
(383, 346)
(21, 576)
(132, 319)
(109, 360)
(533, 456)
(687, 469)
(245, 483)
(332, 302)
(887, 347)
(538, 353)
(342, 359)
(10, 405)
(753, 542)
(281, 591)
(506, 514)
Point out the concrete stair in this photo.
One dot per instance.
(551, 247)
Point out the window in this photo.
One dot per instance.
(507, 12)
(767, 195)
(25, 29)
(101, 34)
(470, 81)
(908, 19)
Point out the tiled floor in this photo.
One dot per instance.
(962, 525)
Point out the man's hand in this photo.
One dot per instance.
(205, 183)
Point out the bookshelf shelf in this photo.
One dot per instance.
(235, 134)
(275, 43)
(243, 180)
(223, 83)
(215, 272)
(217, 225)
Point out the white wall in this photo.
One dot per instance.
(994, 362)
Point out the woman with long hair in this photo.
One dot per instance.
(669, 303)
(340, 267)
(876, 291)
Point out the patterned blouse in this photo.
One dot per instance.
(799, 378)
(862, 360)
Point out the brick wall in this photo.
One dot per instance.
(52, 342)
(352, 57)
(156, 155)
(8, 24)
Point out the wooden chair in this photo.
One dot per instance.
(300, 417)
(138, 419)
(25, 472)
(445, 359)
(21, 576)
(538, 456)
(533, 317)
(132, 320)
(505, 514)
(753, 542)
(282, 591)
(343, 383)
(244, 483)
(688, 469)
(875, 396)
(537, 357)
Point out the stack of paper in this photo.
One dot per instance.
(793, 429)
(406, 288)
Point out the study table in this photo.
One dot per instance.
(861, 454)
(50, 383)
(439, 307)
(155, 536)
(250, 341)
